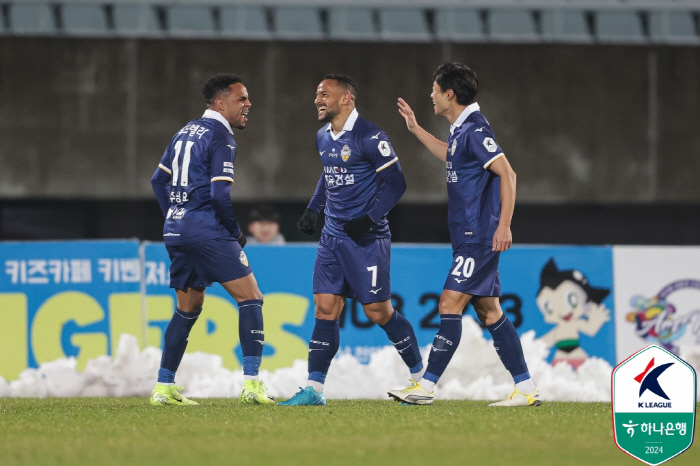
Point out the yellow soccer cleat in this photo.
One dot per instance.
(518, 398)
(415, 394)
(169, 395)
(255, 392)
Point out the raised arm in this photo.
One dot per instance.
(503, 239)
(437, 147)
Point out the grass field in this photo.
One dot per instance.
(222, 431)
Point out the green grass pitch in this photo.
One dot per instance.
(90, 431)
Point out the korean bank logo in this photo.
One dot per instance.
(653, 402)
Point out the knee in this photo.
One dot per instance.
(378, 316)
(249, 295)
(324, 311)
(448, 306)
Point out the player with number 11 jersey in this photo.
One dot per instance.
(204, 241)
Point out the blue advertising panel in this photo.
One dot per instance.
(563, 293)
(62, 299)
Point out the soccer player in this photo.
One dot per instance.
(481, 192)
(204, 241)
(361, 181)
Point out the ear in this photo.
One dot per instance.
(450, 94)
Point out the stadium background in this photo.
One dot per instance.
(595, 103)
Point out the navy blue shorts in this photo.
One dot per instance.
(205, 262)
(474, 271)
(361, 271)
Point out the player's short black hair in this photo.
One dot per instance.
(219, 84)
(345, 81)
(460, 79)
(264, 213)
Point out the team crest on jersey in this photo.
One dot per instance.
(345, 153)
(243, 258)
(454, 147)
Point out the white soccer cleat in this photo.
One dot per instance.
(518, 398)
(415, 394)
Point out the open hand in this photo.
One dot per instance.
(408, 115)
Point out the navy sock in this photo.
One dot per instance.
(324, 343)
(401, 334)
(251, 334)
(444, 346)
(175, 342)
(507, 344)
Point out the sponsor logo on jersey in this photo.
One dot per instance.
(243, 258)
(321, 153)
(480, 129)
(345, 153)
(454, 147)
(376, 136)
(490, 144)
(384, 148)
(179, 213)
(228, 170)
(333, 153)
(228, 164)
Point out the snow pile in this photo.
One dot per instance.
(474, 373)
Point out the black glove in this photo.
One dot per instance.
(307, 222)
(242, 240)
(358, 227)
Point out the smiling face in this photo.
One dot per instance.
(329, 98)
(234, 105)
(441, 100)
(566, 303)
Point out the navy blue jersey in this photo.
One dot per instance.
(473, 190)
(202, 152)
(351, 162)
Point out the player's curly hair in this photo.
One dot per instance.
(346, 82)
(460, 79)
(218, 85)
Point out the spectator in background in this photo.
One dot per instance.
(264, 226)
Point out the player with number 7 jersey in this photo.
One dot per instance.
(361, 181)
(204, 241)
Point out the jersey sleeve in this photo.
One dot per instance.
(221, 160)
(482, 144)
(166, 161)
(379, 151)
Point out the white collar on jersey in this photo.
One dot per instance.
(348, 126)
(468, 110)
(214, 115)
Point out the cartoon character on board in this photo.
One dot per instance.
(568, 301)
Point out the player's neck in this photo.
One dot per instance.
(338, 122)
(453, 112)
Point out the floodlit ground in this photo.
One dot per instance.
(90, 431)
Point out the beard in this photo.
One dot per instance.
(330, 114)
